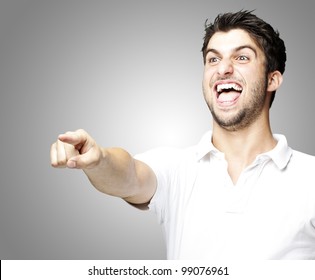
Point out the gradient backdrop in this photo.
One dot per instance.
(129, 72)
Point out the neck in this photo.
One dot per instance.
(244, 145)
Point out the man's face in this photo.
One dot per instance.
(234, 82)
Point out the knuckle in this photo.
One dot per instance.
(54, 164)
(62, 162)
(57, 164)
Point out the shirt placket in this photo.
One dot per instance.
(238, 195)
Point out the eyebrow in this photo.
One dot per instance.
(234, 50)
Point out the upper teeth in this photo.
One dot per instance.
(234, 86)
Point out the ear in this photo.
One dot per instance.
(274, 81)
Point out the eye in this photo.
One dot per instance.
(213, 60)
(243, 58)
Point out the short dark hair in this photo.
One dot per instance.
(261, 32)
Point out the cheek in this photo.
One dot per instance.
(207, 88)
(207, 77)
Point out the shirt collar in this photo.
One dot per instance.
(280, 154)
(205, 146)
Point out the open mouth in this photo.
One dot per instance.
(228, 92)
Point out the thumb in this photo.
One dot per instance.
(85, 161)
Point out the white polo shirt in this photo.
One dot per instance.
(268, 214)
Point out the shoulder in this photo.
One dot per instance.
(300, 168)
(302, 159)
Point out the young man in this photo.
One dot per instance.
(242, 192)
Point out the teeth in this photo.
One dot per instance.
(221, 87)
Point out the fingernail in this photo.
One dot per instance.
(71, 164)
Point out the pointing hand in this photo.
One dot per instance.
(75, 150)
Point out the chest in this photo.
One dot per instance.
(264, 214)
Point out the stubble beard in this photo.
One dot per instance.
(248, 114)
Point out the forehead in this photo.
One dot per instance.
(230, 40)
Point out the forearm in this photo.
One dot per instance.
(118, 174)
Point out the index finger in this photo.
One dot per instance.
(72, 137)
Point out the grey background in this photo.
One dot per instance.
(129, 72)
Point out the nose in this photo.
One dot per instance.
(225, 67)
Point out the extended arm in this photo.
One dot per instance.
(112, 171)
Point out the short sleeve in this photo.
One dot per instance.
(163, 163)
